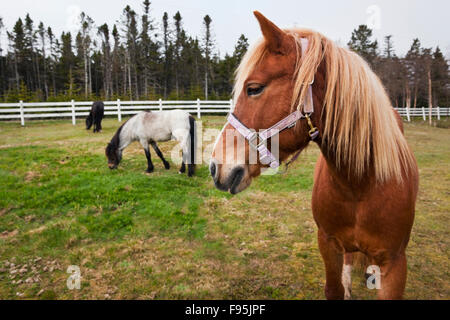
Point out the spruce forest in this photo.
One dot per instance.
(142, 57)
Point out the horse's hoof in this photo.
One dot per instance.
(149, 170)
(167, 166)
(179, 172)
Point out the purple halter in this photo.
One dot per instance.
(265, 156)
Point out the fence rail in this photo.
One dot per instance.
(423, 112)
(73, 109)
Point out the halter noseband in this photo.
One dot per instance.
(265, 156)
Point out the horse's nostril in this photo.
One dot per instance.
(235, 178)
(212, 169)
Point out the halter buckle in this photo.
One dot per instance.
(313, 132)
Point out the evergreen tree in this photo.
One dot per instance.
(416, 72)
(362, 44)
(130, 35)
(440, 78)
(66, 65)
(134, 60)
(208, 45)
(177, 50)
(103, 31)
(86, 23)
(240, 49)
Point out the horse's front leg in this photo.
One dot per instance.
(150, 167)
(347, 275)
(149, 161)
(333, 257)
(393, 278)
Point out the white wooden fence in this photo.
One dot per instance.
(73, 109)
(423, 112)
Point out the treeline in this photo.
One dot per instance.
(143, 57)
(420, 78)
(137, 58)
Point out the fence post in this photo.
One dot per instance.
(438, 113)
(408, 116)
(22, 116)
(119, 113)
(160, 104)
(73, 112)
(423, 114)
(198, 109)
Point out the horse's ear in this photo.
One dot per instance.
(277, 40)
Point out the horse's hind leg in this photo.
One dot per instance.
(160, 155)
(184, 137)
(333, 258)
(393, 278)
(347, 275)
(191, 167)
(99, 124)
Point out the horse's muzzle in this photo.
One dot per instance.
(232, 181)
(112, 166)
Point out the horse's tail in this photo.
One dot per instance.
(192, 145)
(89, 120)
(101, 109)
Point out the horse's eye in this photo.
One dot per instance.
(255, 89)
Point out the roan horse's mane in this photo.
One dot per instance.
(360, 124)
(114, 144)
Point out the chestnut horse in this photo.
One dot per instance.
(366, 178)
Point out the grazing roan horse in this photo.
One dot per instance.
(95, 116)
(366, 178)
(150, 127)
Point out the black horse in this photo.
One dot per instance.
(95, 116)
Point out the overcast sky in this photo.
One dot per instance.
(429, 20)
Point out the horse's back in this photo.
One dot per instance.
(175, 119)
(98, 108)
(161, 125)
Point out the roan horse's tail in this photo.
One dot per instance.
(192, 145)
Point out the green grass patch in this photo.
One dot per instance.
(166, 236)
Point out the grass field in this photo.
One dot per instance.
(165, 236)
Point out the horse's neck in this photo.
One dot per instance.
(343, 177)
(125, 137)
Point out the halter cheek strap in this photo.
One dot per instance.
(265, 156)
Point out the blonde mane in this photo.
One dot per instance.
(360, 124)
